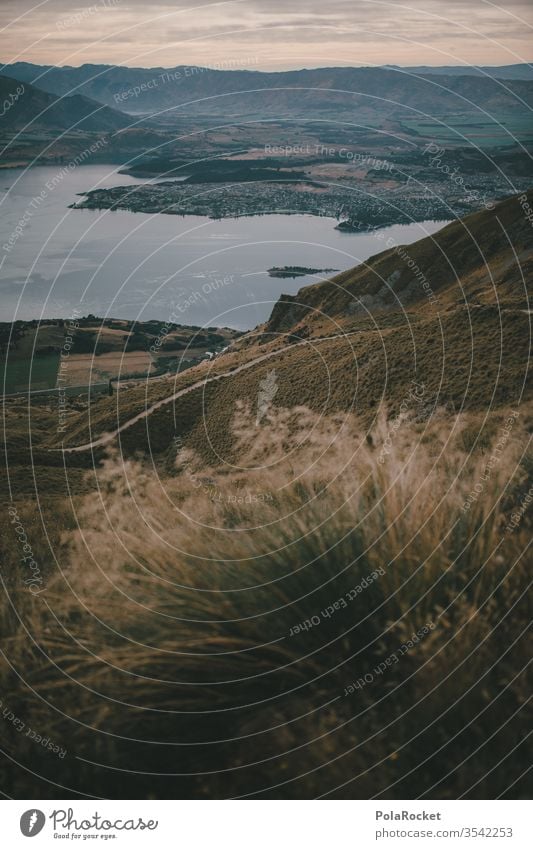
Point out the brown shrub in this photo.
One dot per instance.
(170, 657)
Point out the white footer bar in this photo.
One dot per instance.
(268, 824)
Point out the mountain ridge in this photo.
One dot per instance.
(468, 345)
(385, 280)
(31, 107)
(305, 92)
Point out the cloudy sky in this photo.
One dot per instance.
(267, 34)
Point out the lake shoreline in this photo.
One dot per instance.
(110, 263)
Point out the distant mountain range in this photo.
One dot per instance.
(523, 71)
(24, 106)
(318, 93)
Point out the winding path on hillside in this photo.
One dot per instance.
(108, 437)
(111, 435)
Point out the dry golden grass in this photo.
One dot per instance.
(469, 343)
(162, 655)
(90, 368)
(166, 651)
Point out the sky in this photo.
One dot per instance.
(266, 34)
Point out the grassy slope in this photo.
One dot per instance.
(125, 620)
(469, 346)
(470, 350)
(464, 356)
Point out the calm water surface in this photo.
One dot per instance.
(140, 266)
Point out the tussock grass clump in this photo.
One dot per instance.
(335, 614)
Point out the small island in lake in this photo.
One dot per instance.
(297, 271)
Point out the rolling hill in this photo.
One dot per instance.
(27, 107)
(235, 569)
(451, 312)
(520, 71)
(317, 93)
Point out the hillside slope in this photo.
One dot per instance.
(520, 71)
(484, 259)
(318, 92)
(172, 600)
(361, 341)
(31, 108)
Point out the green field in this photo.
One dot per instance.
(489, 132)
(41, 372)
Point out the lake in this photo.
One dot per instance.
(56, 261)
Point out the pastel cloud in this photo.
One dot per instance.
(267, 34)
